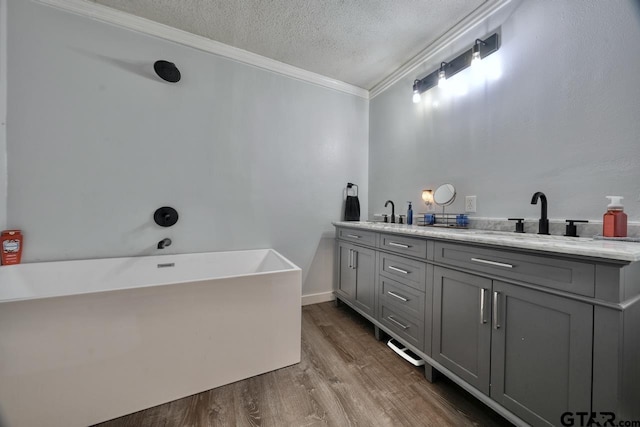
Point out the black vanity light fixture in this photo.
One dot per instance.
(472, 56)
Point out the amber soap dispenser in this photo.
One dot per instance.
(614, 222)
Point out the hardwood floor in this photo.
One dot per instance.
(345, 378)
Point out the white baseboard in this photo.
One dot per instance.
(318, 298)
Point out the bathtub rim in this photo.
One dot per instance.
(292, 268)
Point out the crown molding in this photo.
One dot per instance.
(478, 16)
(131, 22)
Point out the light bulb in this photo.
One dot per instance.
(475, 53)
(427, 196)
(475, 58)
(442, 78)
(416, 91)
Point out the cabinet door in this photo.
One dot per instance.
(461, 326)
(541, 353)
(364, 262)
(346, 271)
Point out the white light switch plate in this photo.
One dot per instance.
(470, 204)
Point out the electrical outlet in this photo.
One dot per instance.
(470, 204)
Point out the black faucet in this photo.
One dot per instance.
(543, 224)
(164, 243)
(393, 210)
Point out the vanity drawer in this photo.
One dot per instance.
(403, 298)
(361, 237)
(561, 274)
(405, 327)
(406, 271)
(404, 245)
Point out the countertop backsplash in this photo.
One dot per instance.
(556, 226)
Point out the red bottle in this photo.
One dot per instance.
(11, 243)
(614, 221)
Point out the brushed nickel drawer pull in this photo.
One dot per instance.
(393, 294)
(353, 236)
(483, 319)
(399, 270)
(496, 315)
(390, 318)
(399, 245)
(495, 263)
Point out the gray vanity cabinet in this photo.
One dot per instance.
(461, 325)
(528, 350)
(541, 353)
(531, 333)
(347, 274)
(357, 270)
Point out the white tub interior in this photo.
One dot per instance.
(63, 278)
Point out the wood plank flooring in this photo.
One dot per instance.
(345, 378)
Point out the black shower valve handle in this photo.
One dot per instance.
(572, 229)
(165, 216)
(519, 224)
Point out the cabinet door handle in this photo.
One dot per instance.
(400, 297)
(355, 259)
(353, 236)
(399, 270)
(350, 258)
(391, 319)
(483, 293)
(495, 263)
(399, 245)
(496, 316)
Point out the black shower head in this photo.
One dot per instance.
(167, 71)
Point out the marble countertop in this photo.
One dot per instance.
(603, 249)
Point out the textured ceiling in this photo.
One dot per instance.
(355, 41)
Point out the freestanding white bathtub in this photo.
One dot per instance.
(86, 341)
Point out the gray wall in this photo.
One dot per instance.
(564, 119)
(96, 142)
(3, 115)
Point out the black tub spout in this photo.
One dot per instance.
(164, 243)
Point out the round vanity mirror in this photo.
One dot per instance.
(444, 195)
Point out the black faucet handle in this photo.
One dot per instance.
(519, 224)
(572, 229)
